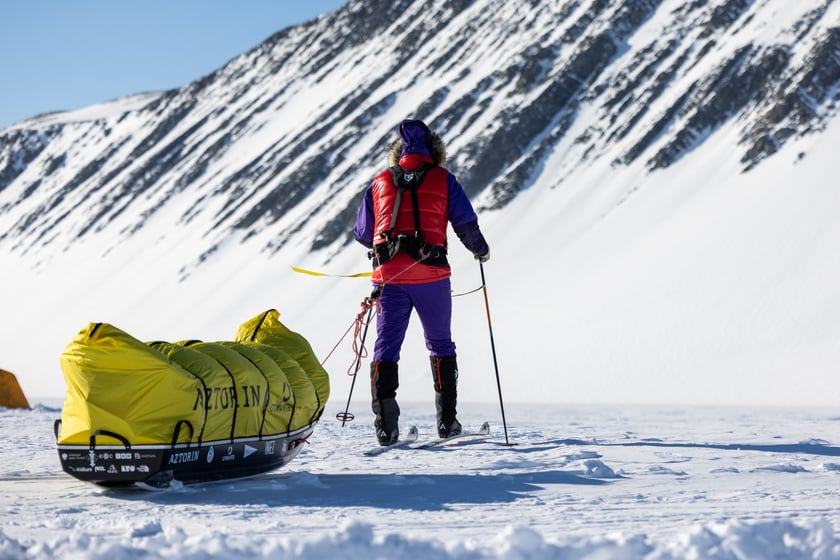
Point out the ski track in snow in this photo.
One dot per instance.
(609, 481)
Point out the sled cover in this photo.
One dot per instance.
(190, 391)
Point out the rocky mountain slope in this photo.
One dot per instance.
(285, 136)
(657, 173)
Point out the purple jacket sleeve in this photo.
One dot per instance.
(464, 220)
(363, 231)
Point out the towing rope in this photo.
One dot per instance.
(359, 350)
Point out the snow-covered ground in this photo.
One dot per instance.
(581, 482)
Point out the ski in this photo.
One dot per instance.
(482, 433)
(410, 438)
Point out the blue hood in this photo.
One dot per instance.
(416, 137)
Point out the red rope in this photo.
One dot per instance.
(340, 340)
(359, 350)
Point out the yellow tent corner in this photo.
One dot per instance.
(11, 395)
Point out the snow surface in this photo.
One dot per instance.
(581, 482)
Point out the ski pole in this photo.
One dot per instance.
(493, 349)
(368, 302)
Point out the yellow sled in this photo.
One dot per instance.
(188, 411)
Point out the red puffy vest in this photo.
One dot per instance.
(433, 200)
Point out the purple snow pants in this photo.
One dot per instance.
(433, 303)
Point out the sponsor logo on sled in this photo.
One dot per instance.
(230, 456)
(269, 447)
(115, 456)
(210, 455)
(183, 457)
(222, 398)
(249, 450)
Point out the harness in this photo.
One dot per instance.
(412, 245)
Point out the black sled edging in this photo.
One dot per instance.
(157, 465)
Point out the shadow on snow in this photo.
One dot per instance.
(422, 492)
(803, 448)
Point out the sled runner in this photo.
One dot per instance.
(190, 411)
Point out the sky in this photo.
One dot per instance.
(57, 55)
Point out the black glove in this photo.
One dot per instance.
(377, 291)
(483, 258)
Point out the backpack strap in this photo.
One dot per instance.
(410, 180)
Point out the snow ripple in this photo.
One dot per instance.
(735, 539)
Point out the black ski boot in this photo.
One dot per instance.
(384, 381)
(445, 374)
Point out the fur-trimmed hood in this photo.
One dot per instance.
(437, 151)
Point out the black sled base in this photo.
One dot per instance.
(157, 466)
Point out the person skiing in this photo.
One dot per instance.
(402, 220)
